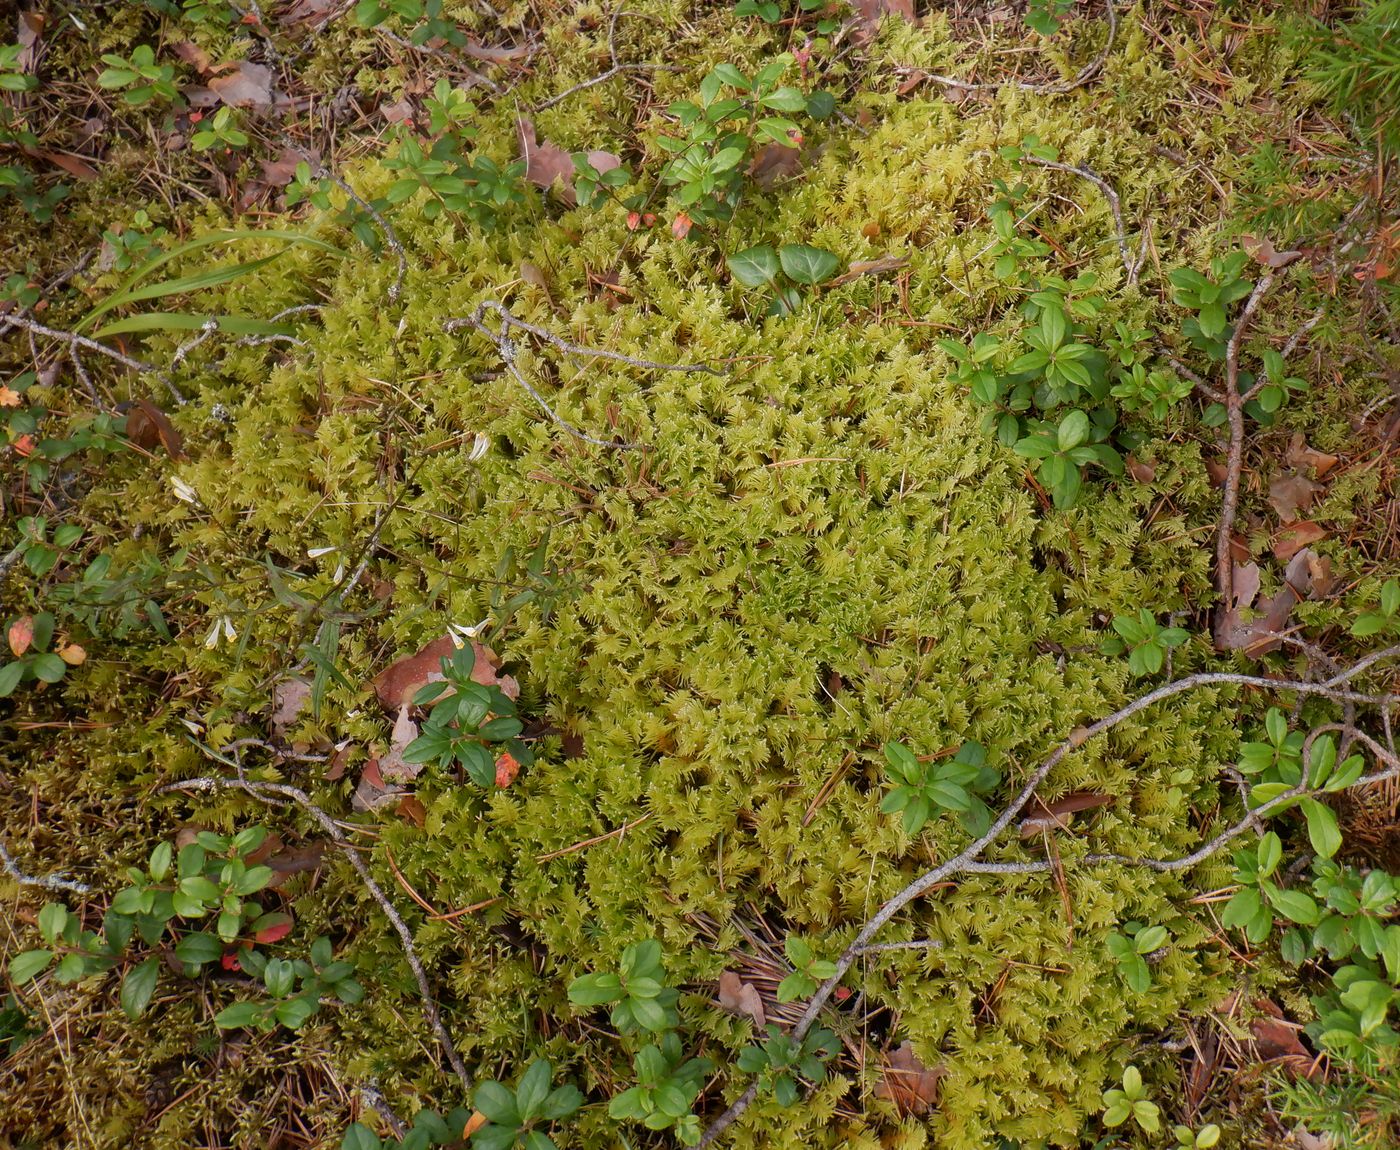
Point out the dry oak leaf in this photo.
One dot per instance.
(1300, 456)
(1290, 493)
(243, 84)
(397, 684)
(1308, 576)
(193, 55)
(546, 163)
(1292, 539)
(869, 13)
(1262, 251)
(9, 397)
(1273, 1037)
(373, 792)
(740, 997)
(908, 1083)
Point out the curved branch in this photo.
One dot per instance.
(968, 861)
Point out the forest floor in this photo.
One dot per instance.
(777, 575)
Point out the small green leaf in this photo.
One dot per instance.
(807, 265)
(137, 987)
(754, 267)
(360, 1137)
(28, 964)
(1326, 838)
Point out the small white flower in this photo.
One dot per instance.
(317, 552)
(222, 623)
(480, 446)
(193, 727)
(460, 634)
(339, 572)
(183, 491)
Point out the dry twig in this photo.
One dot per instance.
(616, 70)
(968, 861)
(47, 882)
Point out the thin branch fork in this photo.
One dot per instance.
(969, 860)
(1130, 266)
(507, 350)
(274, 793)
(1057, 88)
(616, 69)
(74, 341)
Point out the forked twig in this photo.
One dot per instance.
(968, 861)
(46, 881)
(271, 793)
(1059, 87)
(1130, 266)
(74, 341)
(506, 349)
(616, 70)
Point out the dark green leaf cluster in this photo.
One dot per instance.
(210, 877)
(1130, 950)
(1144, 639)
(638, 993)
(429, 1129)
(783, 271)
(514, 1116)
(780, 1061)
(468, 726)
(1385, 620)
(667, 1086)
(421, 20)
(808, 971)
(923, 788)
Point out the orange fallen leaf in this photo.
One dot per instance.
(474, 1123)
(908, 1083)
(411, 808)
(21, 634)
(507, 767)
(9, 397)
(1292, 539)
(72, 654)
(24, 446)
(398, 683)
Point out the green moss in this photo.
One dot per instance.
(828, 505)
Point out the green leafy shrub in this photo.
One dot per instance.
(139, 78)
(784, 272)
(667, 1086)
(514, 1115)
(807, 970)
(1145, 641)
(781, 1062)
(1131, 1101)
(1130, 950)
(638, 993)
(925, 788)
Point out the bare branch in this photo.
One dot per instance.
(969, 860)
(47, 882)
(1115, 205)
(74, 340)
(269, 792)
(506, 348)
(616, 70)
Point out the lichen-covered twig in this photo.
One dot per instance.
(265, 792)
(1058, 87)
(47, 881)
(969, 860)
(1130, 266)
(616, 70)
(73, 340)
(505, 347)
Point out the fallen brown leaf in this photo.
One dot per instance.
(1291, 540)
(1257, 637)
(1060, 813)
(1290, 493)
(774, 162)
(1273, 1037)
(494, 54)
(546, 163)
(740, 997)
(193, 55)
(507, 767)
(75, 166)
(147, 426)
(27, 33)
(286, 864)
(1262, 251)
(282, 171)
(289, 698)
(399, 112)
(9, 397)
(72, 654)
(392, 767)
(1300, 456)
(1216, 472)
(1140, 471)
(397, 684)
(373, 792)
(875, 267)
(243, 84)
(304, 11)
(411, 808)
(907, 1082)
(870, 12)
(335, 769)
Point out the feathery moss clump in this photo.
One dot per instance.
(813, 551)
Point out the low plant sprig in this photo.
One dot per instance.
(922, 789)
(781, 1061)
(667, 1086)
(1144, 640)
(808, 971)
(638, 993)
